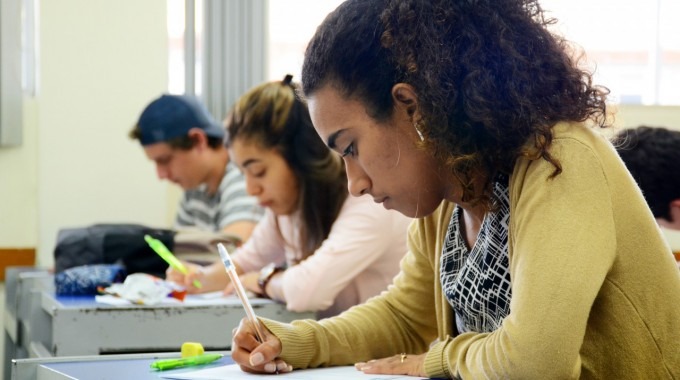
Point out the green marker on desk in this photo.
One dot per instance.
(185, 362)
(169, 258)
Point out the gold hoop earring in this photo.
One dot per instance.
(420, 134)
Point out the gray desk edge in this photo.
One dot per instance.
(27, 369)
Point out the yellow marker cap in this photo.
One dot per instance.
(191, 349)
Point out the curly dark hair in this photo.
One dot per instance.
(652, 155)
(488, 74)
(272, 116)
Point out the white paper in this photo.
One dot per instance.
(202, 299)
(140, 288)
(233, 372)
(117, 301)
(208, 295)
(219, 298)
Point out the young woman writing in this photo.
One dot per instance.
(535, 255)
(316, 248)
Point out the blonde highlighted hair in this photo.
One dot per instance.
(273, 116)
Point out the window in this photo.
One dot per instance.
(289, 33)
(176, 66)
(29, 47)
(217, 49)
(633, 46)
(17, 66)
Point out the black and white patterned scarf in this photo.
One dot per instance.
(477, 282)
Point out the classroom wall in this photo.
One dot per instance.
(100, 63)
(628, 116)
(18, 186)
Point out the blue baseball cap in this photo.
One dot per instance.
(172, 116)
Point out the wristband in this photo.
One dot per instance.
(266, 275)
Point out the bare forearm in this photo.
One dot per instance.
(242, 230)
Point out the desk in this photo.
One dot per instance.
(21, 319)
(43, 325)
(114, 367)
(81, 326)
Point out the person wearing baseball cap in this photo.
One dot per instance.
(186, 144)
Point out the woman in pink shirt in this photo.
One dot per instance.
(316, 248)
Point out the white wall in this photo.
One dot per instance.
(628, 116)
(18, 187)
(100, 63)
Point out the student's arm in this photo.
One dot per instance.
(402, 319)
(264, 246)
(360, 236)
(212, 277)
(242, 229)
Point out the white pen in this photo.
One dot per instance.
(231, 271)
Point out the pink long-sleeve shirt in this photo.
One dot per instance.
(357, 261)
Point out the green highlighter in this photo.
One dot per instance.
(185, 362)
(169, 258)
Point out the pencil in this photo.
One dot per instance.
(240, 291)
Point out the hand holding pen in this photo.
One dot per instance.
(252, 355)
(194, 273)
(253, 348)
(174, 263)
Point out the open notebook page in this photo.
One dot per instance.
(233, 372)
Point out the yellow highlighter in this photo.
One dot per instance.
(169, 258)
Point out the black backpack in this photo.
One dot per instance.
(110, 244)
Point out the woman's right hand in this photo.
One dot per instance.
(194, 272)
(253, 356)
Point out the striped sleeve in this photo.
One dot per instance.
(235, 204)
(184, 217)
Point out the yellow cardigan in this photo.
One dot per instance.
(595, 289)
